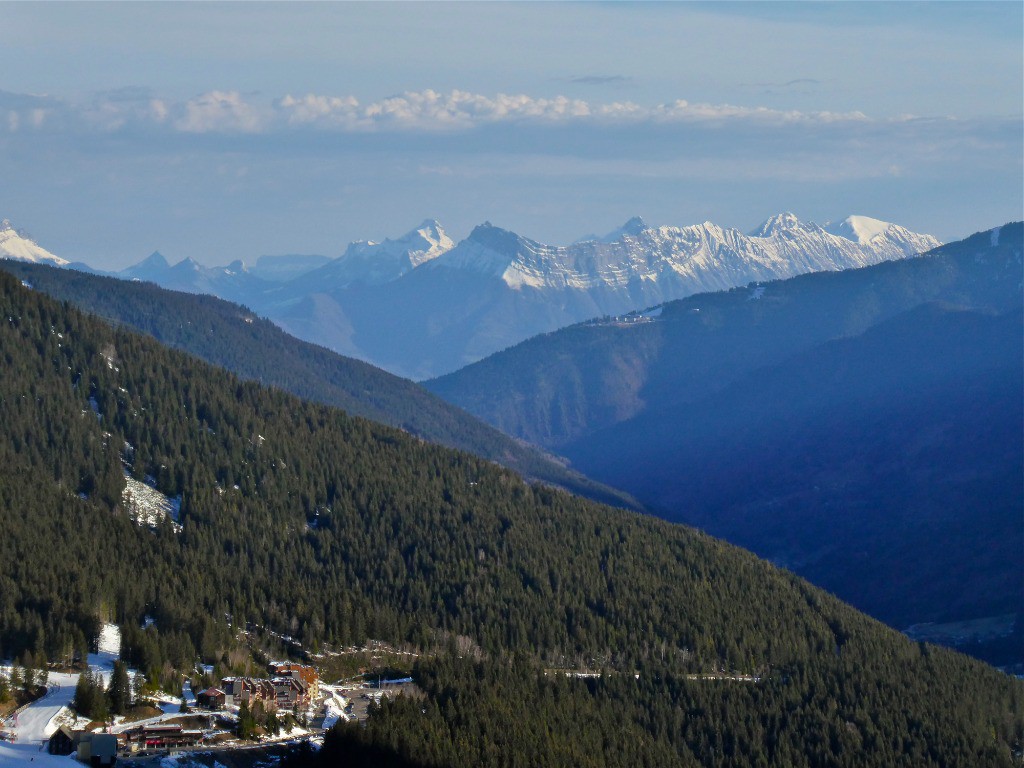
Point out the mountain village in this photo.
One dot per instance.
(289, 704)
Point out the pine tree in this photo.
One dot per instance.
(90, 699)
(120, 691)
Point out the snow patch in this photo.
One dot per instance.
(147, 506)
(334, 710)
(995, 236)
(108, 648)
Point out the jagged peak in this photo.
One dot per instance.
(155, 259)
(632, 228)
(780, 222)
(430, 225)
(8, 226)
(188, 263)
(495, 238)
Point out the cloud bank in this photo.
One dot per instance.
(230, 112)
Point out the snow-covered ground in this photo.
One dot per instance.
(147, 505)
(22, 754)
(334, 705)
(37, 722)
(108, 651)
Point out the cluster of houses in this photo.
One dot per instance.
(290, 686)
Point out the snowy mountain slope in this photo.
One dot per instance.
(879, 236)
(699, 257)
(18, 245)
(363, 263)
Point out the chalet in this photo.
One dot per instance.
(62, 742)
(161, 736)
(212, 698)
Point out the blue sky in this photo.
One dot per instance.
(231, 130)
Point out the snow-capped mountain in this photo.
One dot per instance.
(18, 245)
(496, 288)
(363, 263)
(659, 262)
(880, 236)
(368, 263)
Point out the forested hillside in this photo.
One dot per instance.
(233, 337)
(300, 518)
(884, 467)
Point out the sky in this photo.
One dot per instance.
(223, 131)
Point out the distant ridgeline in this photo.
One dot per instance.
(863, 428)
(301, 519)
(423, 305)
(231, 336)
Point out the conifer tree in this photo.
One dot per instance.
(119, 692)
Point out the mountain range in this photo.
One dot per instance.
(422, 305)
(863, 428)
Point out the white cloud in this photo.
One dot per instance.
(112, 116)
(426, 112)
(682, 110)
(220, 112)
(430, 110)
(310, 108)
